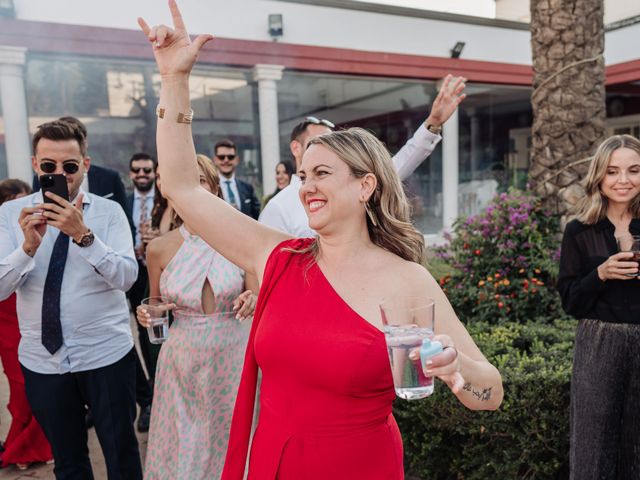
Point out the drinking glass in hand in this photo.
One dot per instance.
(630, 243)
(408, 329)
(158, 309)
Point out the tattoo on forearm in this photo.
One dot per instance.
(482, 395)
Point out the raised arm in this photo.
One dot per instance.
(239, 238)
(424, 141)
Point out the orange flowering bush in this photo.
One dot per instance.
(505, 262)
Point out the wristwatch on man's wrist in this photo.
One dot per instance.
(85, 240)
(436, 129)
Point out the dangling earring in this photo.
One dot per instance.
(371, 214)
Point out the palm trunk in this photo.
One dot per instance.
(568, 100)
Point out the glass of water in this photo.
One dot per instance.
(158, 309)
(408, 324)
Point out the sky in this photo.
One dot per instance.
(478, 8)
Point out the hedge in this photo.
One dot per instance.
(527, 438)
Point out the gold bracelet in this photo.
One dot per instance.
(185, 118)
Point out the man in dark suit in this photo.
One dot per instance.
(236, 192)
(142, 172)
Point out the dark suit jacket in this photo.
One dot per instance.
(129, 211)
(248, 200)
(105, 183)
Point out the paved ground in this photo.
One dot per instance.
(43, 471)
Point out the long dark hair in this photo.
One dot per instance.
(288, 168)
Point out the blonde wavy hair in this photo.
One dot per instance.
(364, 153)
(593, 206)
(210, 173)
(213, 179)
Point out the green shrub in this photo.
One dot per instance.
(527, 438)
(503, 262)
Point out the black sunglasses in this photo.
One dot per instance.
(319, 121)
(146, 170)
(228, 157)
(50, 167)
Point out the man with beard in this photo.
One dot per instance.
(142, 172)
(70, 262)
(100, 181)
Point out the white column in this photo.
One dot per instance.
(266, 76)
(14, 111)
(450, 171)
(475, 142)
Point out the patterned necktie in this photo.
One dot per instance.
(230, 195)
(144, 212)
(51, 326)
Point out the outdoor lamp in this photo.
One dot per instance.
(457, 50)
(276, 26)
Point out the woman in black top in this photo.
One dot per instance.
(599, 286)
(284, 170)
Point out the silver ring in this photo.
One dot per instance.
(451, 346)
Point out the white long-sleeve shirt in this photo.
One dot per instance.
(93, 307)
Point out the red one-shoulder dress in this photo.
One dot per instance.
(327, 391)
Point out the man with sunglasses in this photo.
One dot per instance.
(142, 172)
(286, 212)
(235, 192)
(99, 180)
(70, 263)
(107, 183)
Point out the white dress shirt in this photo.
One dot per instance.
(93, 307)
(285, 211)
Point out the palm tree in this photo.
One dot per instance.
(568, 99)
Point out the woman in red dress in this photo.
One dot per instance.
(25, 443)
(327, 390)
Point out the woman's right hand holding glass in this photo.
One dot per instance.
(143, 317)
(618, 267)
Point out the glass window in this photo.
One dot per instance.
(494, 131)
(117, 102)
(390, 108)
(494, 143)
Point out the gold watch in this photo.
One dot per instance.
(436, 129)
(86, 240)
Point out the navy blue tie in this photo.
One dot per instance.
(51, 326)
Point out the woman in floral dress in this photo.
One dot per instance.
(200, 364)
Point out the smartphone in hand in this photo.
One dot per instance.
(55, 183)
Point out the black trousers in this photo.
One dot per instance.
(605, 394)
(138, 291)
(144, 393)
(58, 403)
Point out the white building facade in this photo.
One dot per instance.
(355, 63)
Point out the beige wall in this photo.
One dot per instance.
(304, 24)
(614, 10)
(517, 10)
